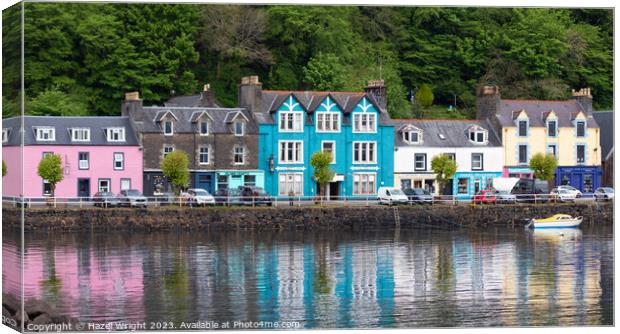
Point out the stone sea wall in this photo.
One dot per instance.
(311, 218)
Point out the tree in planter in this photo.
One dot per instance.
(50, 169)
(175, 167)
(543, 166)
(322, 173)
(444, 168)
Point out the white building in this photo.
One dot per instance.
(472, 143)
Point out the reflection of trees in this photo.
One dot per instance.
(176, 287)
(53, 283)
(444, 270)
(322, 282)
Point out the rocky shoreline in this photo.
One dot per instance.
(298, 218)
(37, 314)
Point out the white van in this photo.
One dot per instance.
(388, 195)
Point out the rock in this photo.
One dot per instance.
(11, 303)
(19, 317)
(5, 312)
(42, 319)
(36, 307)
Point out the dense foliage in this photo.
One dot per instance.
(321, 162)
(175, 167)
(543, 166)
(82, 58)
(444, 167)
(50, 169)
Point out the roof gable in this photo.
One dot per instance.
(364, 105)
(329, 104)
(290, 104)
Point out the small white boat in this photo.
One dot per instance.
(557, 221)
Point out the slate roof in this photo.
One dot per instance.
(454, 131)
(605, 119)
(62, 124)
(538, 110)
(310, 101)
(186, 117)
(187, 101)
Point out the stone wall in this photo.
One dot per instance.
(311, 218)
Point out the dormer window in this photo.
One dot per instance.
(581, 128)
(203, 128)
(115, 134)
(411, 135)
(522, 128)
(5, 135)
(168, 128)
(45, 133)
(80, 134)
(552, 128)
(239, 128)
(478, 135)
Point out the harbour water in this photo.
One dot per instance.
(323, 279)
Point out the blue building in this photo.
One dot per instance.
(295, 124)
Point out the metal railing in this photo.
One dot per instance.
(283, 201)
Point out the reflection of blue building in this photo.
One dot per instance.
(293, 125)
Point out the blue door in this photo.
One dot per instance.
(205, 181)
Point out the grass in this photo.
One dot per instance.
(441, 111)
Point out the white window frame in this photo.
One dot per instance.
(86, 166)
(364, 179)
(235, 154)
(5, 135)
(407, 135)
(206, 126)
(367, 151)
(333, 151)
(300, 157)
(297, 121)
(200, 154)
(40, 130)
(121, 160)
(118, 132)
(109, 187)
(242, 128)
(168, 121)
(121, 184)
(75, 134)
(357, 122)
(163, 150)
(481, 167)
(325, 121)
(415, 162)
(284, 184)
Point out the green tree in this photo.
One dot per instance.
(322, 172)
(53, 102)
(50, 169)
(325, 72)
(543, 166)
(3, 168)
(175, 167)
(424, 96)
(444, 168)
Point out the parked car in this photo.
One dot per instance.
(225, 196)
(505, 197)
(486, 196)
(571, 190)
(132, 198)
(387, 195)
(531, 190)
(418, 196)
(254, 195)
(197, 196)
(562, 195)
(166, 198)
(105, 199)
(604, 193)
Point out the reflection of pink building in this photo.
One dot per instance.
(98, 154)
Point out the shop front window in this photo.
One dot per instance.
(222, 182)
(462, 186)
(565, 181)
(476, 186)
(588, 181)
(405, 184)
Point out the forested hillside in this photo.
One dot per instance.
(80, 59)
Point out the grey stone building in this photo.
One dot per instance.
(222, 143)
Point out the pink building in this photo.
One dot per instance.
(98, 154)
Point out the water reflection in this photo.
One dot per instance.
(328, 280)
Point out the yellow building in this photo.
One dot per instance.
(565, 129)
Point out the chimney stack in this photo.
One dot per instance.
(132, 106)
(584, 97)
(487, 102)
(377, 89)
(207, 97)
(250, 93)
